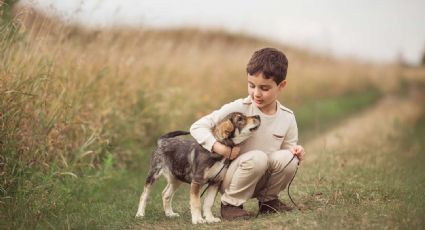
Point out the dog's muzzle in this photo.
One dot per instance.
(257, 121)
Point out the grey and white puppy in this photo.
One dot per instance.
(184, 160)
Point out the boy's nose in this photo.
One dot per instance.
(257, 92)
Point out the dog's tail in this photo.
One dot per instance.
(174, 134)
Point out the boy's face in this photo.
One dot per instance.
(264, 92)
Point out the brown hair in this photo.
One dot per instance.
(269, 61)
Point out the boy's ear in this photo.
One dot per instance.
(282, 85)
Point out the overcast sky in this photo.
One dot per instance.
(376, 30)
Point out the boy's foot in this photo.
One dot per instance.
(273, 206)
(230, 212)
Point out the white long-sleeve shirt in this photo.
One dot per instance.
(277, 131)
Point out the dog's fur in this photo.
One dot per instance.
(184, 160)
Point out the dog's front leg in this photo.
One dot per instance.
(209, 202)
(195, 203)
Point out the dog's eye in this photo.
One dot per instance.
(240, 118)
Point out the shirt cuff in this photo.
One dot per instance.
(208, 144)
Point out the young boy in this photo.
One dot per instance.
(258, 167)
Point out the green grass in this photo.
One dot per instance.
(98, 199)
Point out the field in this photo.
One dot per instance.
(81, 109)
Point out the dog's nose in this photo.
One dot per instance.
(257, 117)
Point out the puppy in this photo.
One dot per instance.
(184, 160)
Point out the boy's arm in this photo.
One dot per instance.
(291, 137)
(201, 130)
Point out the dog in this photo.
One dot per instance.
(184, 160)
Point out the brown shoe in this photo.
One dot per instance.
(230, 212)
(273, 206)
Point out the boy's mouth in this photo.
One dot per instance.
(258, 101)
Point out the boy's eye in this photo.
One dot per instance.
(263, 88)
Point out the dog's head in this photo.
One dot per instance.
(236, 128)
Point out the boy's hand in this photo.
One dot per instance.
(299, 152)
(225, 151)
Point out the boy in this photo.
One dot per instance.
(258, 167)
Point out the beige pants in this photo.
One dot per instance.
(257, 174)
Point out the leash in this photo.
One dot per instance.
(289, 186)
(225, 163)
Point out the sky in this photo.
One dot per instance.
(372, 30)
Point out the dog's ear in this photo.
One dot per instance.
(223, 130)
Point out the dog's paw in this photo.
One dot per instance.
(140, 215)
(198, 220)
(212, 220)
(172, 214)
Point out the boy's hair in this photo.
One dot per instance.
(269, 61)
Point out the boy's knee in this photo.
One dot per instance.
(256, 161)
(283, 158)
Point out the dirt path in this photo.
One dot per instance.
(374, 125)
